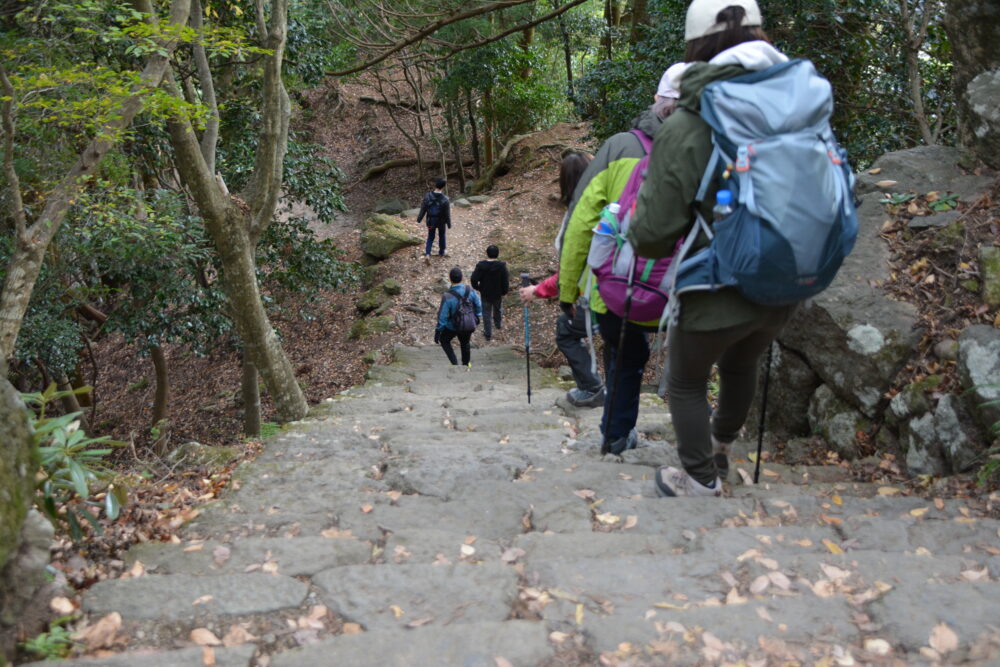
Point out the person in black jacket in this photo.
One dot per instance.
(437, 208)
(492, 280)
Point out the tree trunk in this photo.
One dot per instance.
(475, 134)
(456, 150)
(250, 392)
(162, 395)
(640, 19)
(972, 32)
(236, 223)
(488, 128)
(567, 54)
(69, 401)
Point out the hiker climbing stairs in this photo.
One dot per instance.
(433, 517)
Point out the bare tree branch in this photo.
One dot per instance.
(210, 137)
(13, 181)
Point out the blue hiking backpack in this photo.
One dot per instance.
(463, 317)
(793, 219)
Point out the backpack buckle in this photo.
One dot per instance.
(743, 158)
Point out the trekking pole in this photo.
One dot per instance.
(763, 411)
(525, 282)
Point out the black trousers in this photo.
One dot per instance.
(463, 342)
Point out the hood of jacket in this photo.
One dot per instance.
(648, 122)
(490, 266)
(748, 56)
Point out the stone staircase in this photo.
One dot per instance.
(434, 517)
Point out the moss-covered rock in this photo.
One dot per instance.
(370, 300)
(195, 453)
(391, 287)
(382, 235)
(371, 326)
(989, 270)
(16, 469)
(372, 357)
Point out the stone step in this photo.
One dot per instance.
(237, 656)
(514, 642)
(181, 596)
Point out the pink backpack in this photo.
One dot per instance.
(614, 262)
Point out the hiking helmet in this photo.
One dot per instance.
(701, 16)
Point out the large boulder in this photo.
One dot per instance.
(853, 335)
(979, 370)
(789, 391)
(971, 26)
(382, 235)
(836, 421)
(390, 206)
(923, 169)
(960, 438)
(924, 452)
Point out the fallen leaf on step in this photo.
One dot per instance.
(202, 600)
(877, 646)
(394, 495)
(204, 637)
(397, 611)
(769, 563)
(586, 494)
(876, 170)
(779, 580)
(502, 662)
(919, 511)
(220, 554)
(745, 476)
(833, 572)
(763, 613)
(837, 500)
(194, 547)
(667, 605)
(470, 539)
(468, 550)
(832, 546)
(749, 553)
(608, 518)
(728, 577)
(805, 542)
(922, 551)
(419, 622)
(352, 629)
(103, 634)
(631, 521)
(760, 584)
(823, 588)
(939, 504)
(237, 635)
(976, 575)
(888, 491)
(334, 533)
(558, 637)
(207, 656)
(885, 184)
(271, 567)
(62, 606)
(579, 614)
(512, 554)
(734, 597)
(366, 508)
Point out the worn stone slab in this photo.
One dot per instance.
(722, 543)
(657, 515)
(909, 614)
(956, 536)
(546, 548)
(175, 595)
(300, 556)
(443, 593)
(237, 656)
(425, 546)
(520, 643)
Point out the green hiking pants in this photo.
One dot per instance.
(737, 351)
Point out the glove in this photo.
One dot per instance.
(437, 337)
(568, 308)
(449, 225)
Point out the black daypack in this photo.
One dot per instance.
(463, 318)
(435, 205)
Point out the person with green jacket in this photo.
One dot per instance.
(602, 183)
(724, 40)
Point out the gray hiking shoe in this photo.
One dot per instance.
(586, 399)
(619, 446)
(672, 482)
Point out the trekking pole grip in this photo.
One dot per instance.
(525, 280)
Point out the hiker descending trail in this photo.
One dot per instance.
(433, 517)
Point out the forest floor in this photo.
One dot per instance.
(521, 216)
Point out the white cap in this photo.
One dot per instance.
(701, 15)
(670, 82)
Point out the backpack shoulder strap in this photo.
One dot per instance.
(644, 139)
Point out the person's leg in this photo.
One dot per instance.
(441, 240)
(620, 418)
(738, 368)
(570, 339)
(463, 342)
(498, 313)
(446, 336)
(430, 240)
(487, 319)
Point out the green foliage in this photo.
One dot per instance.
(312, 178)
(989, 473)
(72, 469)
(56, 643)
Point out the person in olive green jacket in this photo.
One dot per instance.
(602, 183)
(724, 40)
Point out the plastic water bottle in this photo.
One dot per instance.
(723, 204)
(607, 225)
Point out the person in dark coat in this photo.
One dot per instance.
(437, 209)
(492, 281)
